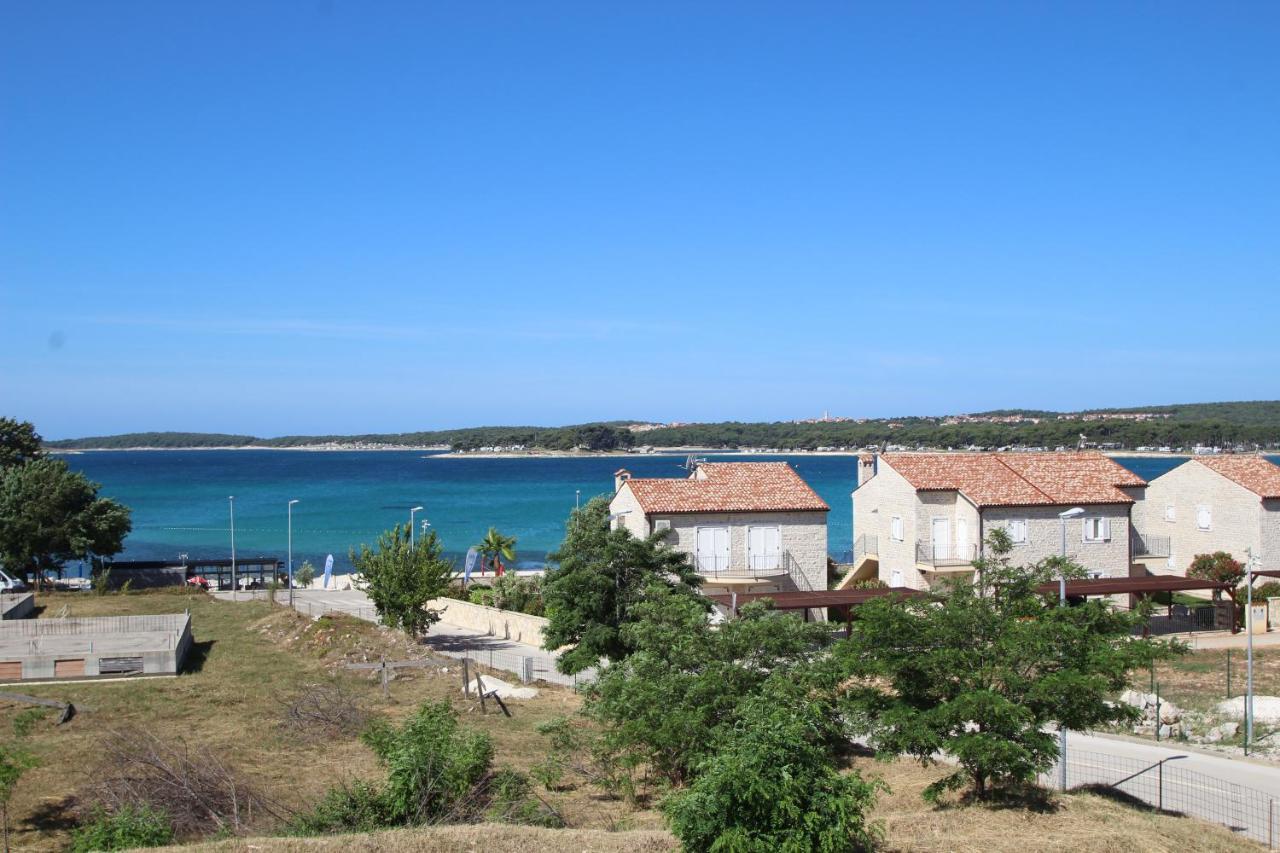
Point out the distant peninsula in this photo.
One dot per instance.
(1240, 426)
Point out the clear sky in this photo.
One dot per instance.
(302, 217)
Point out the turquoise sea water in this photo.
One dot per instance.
(179, 498)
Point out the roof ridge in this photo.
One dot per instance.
(1000, 458)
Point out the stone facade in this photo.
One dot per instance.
(884, 494)
(803, 534)
(1239, 520)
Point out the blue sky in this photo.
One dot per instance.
(277, 217)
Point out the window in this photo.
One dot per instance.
(895, 528)
(1170, 514)
(1097, 529)
(1204, 517)
(1018, 530)
(661, 524)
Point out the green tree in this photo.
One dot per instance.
(401, 578)
(1223, 568)
(50, 514)
(19, 443)
(683, 678)
(771, 785)
(495, 547)
(984, 675)
(304, 575)
(600, 576)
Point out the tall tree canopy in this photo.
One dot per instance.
(19, 443)
(986, 672)
(401, 578)
(601, 575)
(50, 514)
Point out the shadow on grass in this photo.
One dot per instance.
(53, 816)
(1117, 796)
(196, 657)
(1026, 798)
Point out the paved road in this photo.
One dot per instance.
(520, 659)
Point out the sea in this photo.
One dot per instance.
(180, 505)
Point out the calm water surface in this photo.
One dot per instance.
(179, 497)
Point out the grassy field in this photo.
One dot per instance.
(250, 658)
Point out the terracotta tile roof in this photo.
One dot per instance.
(1256, 474)
(728, 487)
(1019, 479)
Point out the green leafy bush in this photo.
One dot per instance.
(125, 829)
(771, 785)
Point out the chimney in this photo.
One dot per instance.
(866, 467)
(619, 477)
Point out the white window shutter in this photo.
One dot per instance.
(1106, 530)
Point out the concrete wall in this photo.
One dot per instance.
(875, 503)
(160, 643)
(507, 624)
(1044, 536)
(17, 605)
(1238, 516)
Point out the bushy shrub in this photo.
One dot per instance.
(125, 829)
(436, 773)
(771, 785)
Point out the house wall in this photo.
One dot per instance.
(635, 520)
(804, 536)
(1044, 536)
(1238, 515)
(875, 503)
(1270, 534)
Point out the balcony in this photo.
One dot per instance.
(866, 546)
(758, 568)
(1145, 545)
(945, 555)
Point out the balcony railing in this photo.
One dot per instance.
(866, 546)
(758, 566)
(1146, 545)
(945, 554)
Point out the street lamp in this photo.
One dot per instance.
(1074, 512)
(291, 503)
(411, 512)
(1248, 626)
(235, 589)
(577, 498)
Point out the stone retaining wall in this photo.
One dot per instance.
(507, 624)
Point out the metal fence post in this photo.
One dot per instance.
(1160, 782)
(1157, 713)
(1228, 673)
(1271, 824)
(466, 678)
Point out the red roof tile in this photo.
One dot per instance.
(728, 487)
(1256, 474)
(1019, 479)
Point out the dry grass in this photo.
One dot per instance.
(251, 658)
(1198, 680)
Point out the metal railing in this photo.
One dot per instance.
(946, 554)
(866, 546)
(94, 625)
(1168, 787)
(1146, 545)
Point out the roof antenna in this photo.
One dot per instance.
(691, 462)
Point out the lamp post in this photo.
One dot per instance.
(235, 588)
(577, 498)
(1248, 626)
(291, 503)
(411, 512)
(1062, 602)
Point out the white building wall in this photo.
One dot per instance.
(1270, 537)
(635, 520)
(1044, 536)
(875, 503)
(803, 534)
(1237, 515)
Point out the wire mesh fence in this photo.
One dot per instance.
(1166, 786)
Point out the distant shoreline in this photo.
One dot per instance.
(444, 452)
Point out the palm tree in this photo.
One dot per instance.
(495, 547)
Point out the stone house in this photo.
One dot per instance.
(746, 526)
(919, 517)
(1207, 504)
